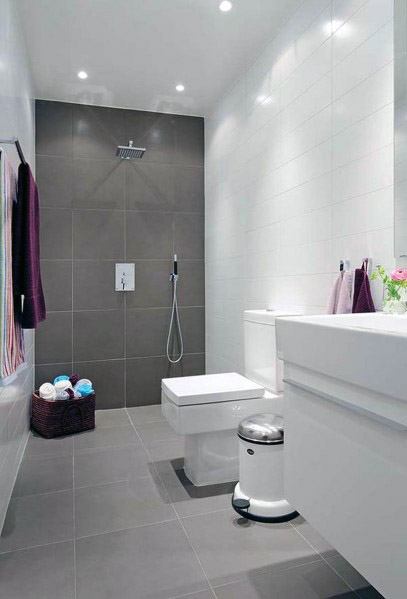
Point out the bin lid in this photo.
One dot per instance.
(265, 429)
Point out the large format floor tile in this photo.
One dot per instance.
(230, 547)
(167, 450)
(310, 581)
(115, 436)
(187, 499)
(109, 418)
(43, 572)
(143, 531)
(110, 464)
(152, 433)
(313, 537)
(144, 414)
(352, 577)
(118, 506)
(148, 562)
(38, 446)
(43, 475)
(37, 520)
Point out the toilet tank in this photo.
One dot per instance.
(260, 353)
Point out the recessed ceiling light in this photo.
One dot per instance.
(225, 6)
(180, 87)
(82, 75)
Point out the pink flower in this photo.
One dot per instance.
(399, 274)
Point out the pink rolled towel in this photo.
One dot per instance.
(333, 298)
(344, 305)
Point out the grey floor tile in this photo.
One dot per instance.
(100, 466)
(144, 414)
(115, 436)
(310, 581)
(109, 418)
(167, 450)
(148, 562)
(118, 506)
(42, 572)
(38, 446)
(154, 432)
(44, 475)
(199, 595)
(230, 547)
(368, 593)
(37, 520)
(313, 537)
(189, 500)
(352, 577)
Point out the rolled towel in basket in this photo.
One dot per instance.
(63, 385)
(48, 391)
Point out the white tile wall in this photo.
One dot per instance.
(299, 168)
(16, 119)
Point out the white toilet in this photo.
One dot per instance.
(207, 409)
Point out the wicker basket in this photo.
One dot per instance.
(62, 417)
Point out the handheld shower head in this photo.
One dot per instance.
(129, 152)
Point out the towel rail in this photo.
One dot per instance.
(19, 149)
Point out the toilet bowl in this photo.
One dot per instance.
(207, 409)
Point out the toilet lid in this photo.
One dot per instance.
(210, 388)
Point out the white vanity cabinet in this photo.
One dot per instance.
(346, 437)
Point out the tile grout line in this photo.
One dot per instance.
(175, 511)
(321, 556)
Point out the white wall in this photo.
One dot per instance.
(16, 119)
(299, 163)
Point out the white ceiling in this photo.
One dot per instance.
(135, 51)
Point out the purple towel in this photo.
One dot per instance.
(26, 252)
(362, 296)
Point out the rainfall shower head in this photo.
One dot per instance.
(129, 152)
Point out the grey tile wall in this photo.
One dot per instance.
(97, 210)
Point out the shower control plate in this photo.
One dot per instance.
(125, 277)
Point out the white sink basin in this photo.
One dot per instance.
(379, 322)
(367, 350)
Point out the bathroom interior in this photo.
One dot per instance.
(203, 284)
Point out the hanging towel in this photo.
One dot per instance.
(362, 296)
(28, 293)
(12, 340)
(344, 305)
(333, 298)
